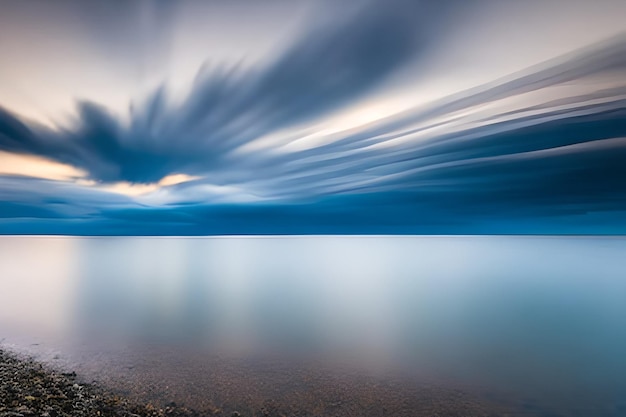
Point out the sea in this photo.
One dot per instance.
(328, 325)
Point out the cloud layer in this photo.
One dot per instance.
(542, 150)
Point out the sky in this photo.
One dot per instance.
(312, 117)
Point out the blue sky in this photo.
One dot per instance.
(461, 117)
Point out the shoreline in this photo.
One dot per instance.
(30, 388)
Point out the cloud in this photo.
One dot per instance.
(544, 143)
(229, 107)
(59, 199)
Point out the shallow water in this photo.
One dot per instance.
(534, 323)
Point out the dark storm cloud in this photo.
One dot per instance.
(607, 57)
(466, 163)
(452, 161)
(229, 107)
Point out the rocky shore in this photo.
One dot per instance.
(28, 388)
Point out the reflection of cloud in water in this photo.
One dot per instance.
(38, 279)
(440, 302)
(544, 314)
(125, 296)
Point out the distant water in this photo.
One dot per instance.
(538, 321)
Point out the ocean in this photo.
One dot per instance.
(348, 324)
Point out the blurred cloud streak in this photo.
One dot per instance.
(266, 143)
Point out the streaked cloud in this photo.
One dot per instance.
(318, 137)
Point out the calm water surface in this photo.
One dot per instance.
(536, 323)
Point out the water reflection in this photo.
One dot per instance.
(38, 279)
(535, 314)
